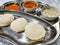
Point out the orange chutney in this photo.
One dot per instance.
(12, 7)
(30, 4)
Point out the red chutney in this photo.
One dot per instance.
(30, 4)
(12, 7)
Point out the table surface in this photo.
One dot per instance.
(55, 3)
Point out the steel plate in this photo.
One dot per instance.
(51, 33)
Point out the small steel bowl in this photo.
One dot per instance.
(10, 3)
(30, 9)
(47, 17)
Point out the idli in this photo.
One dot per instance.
(35, 31)
(19, 24)
(6, 19)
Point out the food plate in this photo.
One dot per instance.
(51, 33)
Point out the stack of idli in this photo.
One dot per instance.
(19, 24)
(6, 19)
(33, 31)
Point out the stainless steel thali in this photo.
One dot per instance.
(51, 33)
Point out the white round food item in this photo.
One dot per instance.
(35, 31)
(19, 24)
(6, 19)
